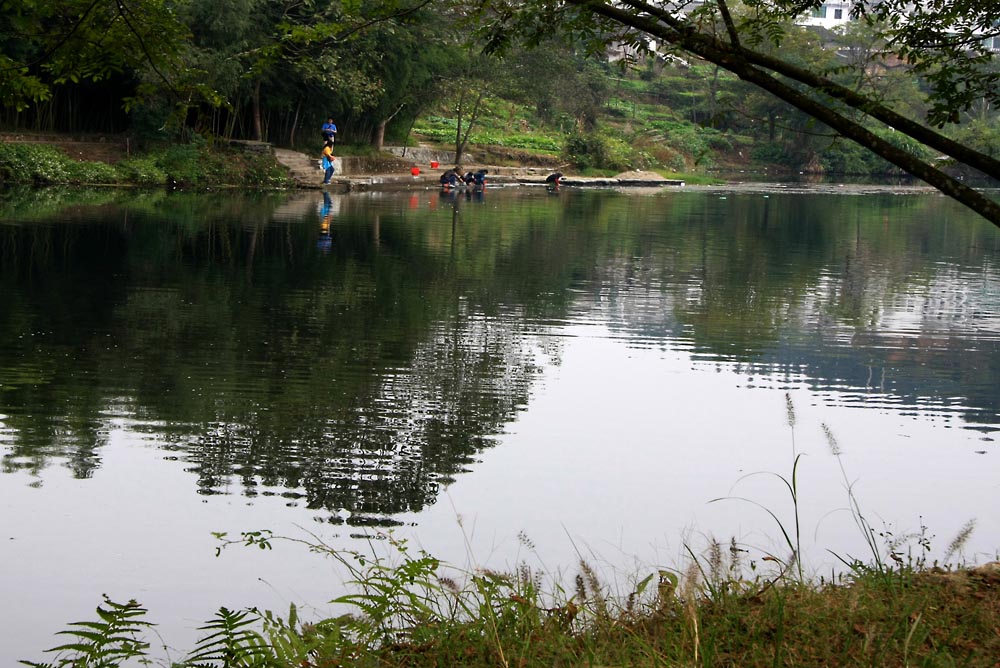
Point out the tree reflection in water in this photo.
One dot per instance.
(362, 374)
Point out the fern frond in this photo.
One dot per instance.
(107, 643)
(230, 643)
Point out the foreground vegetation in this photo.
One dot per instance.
(412, 610)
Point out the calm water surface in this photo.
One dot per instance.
(515, 376)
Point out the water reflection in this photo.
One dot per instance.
(326, 213)
(363, 374)
(344, 358)
(336, 376)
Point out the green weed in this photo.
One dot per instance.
(114, 638)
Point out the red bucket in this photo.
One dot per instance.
(434, 164)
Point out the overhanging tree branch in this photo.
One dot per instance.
(988, 165)
(739, 61)
(124, 11)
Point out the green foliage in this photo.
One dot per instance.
(230, 643)
(185, 163)
(490, 132)
(982, 134)
(436, 128)
(947, 43)
(586, 151)
(542, 143)
(44, 164)
(142, 170)
(844, 157)
(848, 158)
(410, 609)
(95, 173)
(773, 154)
(179, 164)
(27, 163)
(113, 639)
(44, 45)
(302, 644)
(392, 597)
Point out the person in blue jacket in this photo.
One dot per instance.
(329, 130)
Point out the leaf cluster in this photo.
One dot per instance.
(46, 43)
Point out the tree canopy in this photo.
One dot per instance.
(45, 43)
(244, 67)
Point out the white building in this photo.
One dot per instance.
(830, 14)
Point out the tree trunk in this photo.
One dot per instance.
(713, 98)
(258, 126)
(461, 138)
(295, 124)
(378, 140)
(458, 129)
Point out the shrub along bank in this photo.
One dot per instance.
(176, 165)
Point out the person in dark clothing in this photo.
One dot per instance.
(552, 180)
(450, 177)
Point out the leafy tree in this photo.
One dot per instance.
(942, 43)
(46, 44)
(225, 67)
(401, 61)
(368, 64)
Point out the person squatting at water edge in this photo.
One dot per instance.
(552, 180)
(326, 162)
(450, 178)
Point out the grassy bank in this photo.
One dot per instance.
(177, 165)
(412, 610)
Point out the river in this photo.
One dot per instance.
(515, 375)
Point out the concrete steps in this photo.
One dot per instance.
(303, 169)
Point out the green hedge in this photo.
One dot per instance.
(177, 165)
